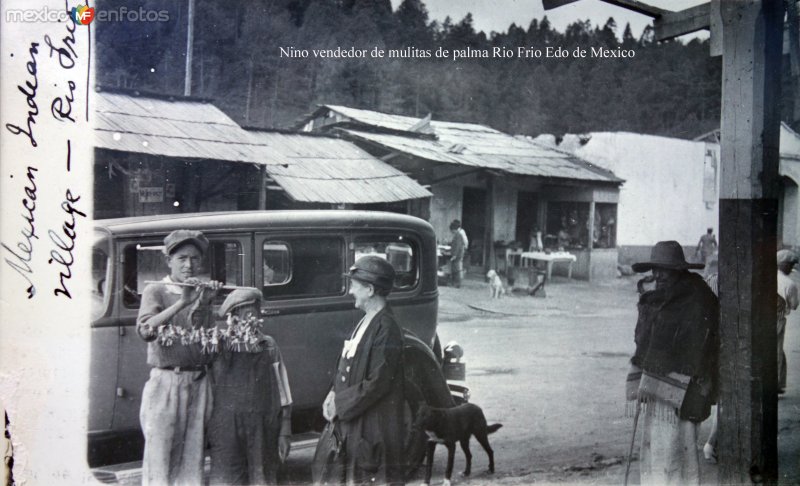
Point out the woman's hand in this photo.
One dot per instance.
(329, 407)
(284, 447)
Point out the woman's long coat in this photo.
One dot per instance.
(370, 404)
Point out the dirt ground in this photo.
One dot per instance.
(552, 370)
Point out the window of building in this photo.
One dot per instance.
(300, 267)
(397, 250)
(605, 225)
(144, 262)
(567, 225)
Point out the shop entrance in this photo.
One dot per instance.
(473, 220)
(527, 217)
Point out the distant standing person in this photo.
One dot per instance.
(676, 337)
(707, 245)
(458, 247)
(712, 279)
(176, 401)
(788, 299)
(250, 429)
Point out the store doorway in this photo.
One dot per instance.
(473, 220)
(527, 217)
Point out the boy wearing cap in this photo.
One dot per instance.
(788, 298)
(676, 334)
(176, 400)
(367, 397)
(251, 425)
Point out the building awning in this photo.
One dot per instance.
(517, 156)
(325, 169)
(466, 144)
(309, 168)
(184, 128)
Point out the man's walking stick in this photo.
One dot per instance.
(633, 439)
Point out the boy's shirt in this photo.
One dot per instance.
(251, 382)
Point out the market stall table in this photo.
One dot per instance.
(529, 257)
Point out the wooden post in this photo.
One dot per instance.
(488, 237)
(262, 190)
(590, 243)
(751, 39)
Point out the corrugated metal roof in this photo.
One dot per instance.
(318, 169)
(475, 146)
(400, 122)
(308, 168)
(520, 157)
(179, 128)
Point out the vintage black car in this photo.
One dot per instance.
(297, 258)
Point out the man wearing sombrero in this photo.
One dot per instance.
(677, 350)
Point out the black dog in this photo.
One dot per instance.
(450, 425)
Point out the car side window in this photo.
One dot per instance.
(400, 251)
(99, 281)
(300, 267)
(145, 262)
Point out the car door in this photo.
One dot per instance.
(306, 307)
(104, 340)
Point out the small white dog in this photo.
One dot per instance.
(496, 288)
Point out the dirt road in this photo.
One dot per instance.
(552, 370)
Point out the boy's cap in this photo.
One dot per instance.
(179, 237)
(238, 298)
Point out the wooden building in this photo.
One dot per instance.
(161, 155)
(503, 188)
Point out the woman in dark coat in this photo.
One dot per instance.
(367, 397)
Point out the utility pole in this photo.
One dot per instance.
(187, 81)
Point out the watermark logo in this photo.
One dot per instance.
(82, 14)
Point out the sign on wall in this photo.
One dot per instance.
(151, 194)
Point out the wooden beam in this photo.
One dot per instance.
(551, 4)
(675, 24)
(633, 5)
(715, 19)
(751, 85)
(638, 7)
